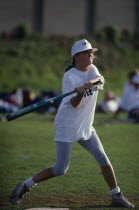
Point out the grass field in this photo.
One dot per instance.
(27, 146)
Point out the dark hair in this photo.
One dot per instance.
(71, 66)
(26, 97)
(131, 74)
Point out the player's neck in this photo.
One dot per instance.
(81, 67)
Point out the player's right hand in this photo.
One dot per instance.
(88, 85)
(80, 90)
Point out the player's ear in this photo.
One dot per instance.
(75, 57)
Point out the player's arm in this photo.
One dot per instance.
(91, 82)
(75, 100)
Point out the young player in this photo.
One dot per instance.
(73, 123)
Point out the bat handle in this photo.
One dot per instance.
(99, 82)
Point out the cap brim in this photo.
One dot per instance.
(85, 49)
(94, 49)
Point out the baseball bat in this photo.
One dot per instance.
(36, 106)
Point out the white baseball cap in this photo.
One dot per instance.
(80, 46)
(135, 79)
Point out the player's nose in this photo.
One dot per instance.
(90, 54)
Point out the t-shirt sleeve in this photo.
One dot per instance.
(95, 73)
(67, 86)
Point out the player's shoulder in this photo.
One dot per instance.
(93, 68)
(128, 87)
(94, 71)
(69, 73)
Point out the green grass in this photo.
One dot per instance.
(39, 65)
(27, 146)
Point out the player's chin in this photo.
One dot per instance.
(90, 61)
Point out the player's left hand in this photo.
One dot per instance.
(88, 85)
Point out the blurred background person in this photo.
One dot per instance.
(130, 98)
(7, 104)
(28, 97)
(16, 97)
(6, 107)
(110, 104)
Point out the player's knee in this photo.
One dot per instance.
(103, 160)
(59, 171)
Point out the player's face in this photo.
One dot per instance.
(86, 57)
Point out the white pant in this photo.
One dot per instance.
(63, 152)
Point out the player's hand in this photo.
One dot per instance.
(88, 85)
(97, 81)
(80, 90)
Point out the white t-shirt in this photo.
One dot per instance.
(74, 124)
(130, 98)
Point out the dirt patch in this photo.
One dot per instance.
(47, 208)
(68, 202)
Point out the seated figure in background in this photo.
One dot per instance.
(7, 102)
(130, 98)
(16, 97)
(28, 97)
(110, 104)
